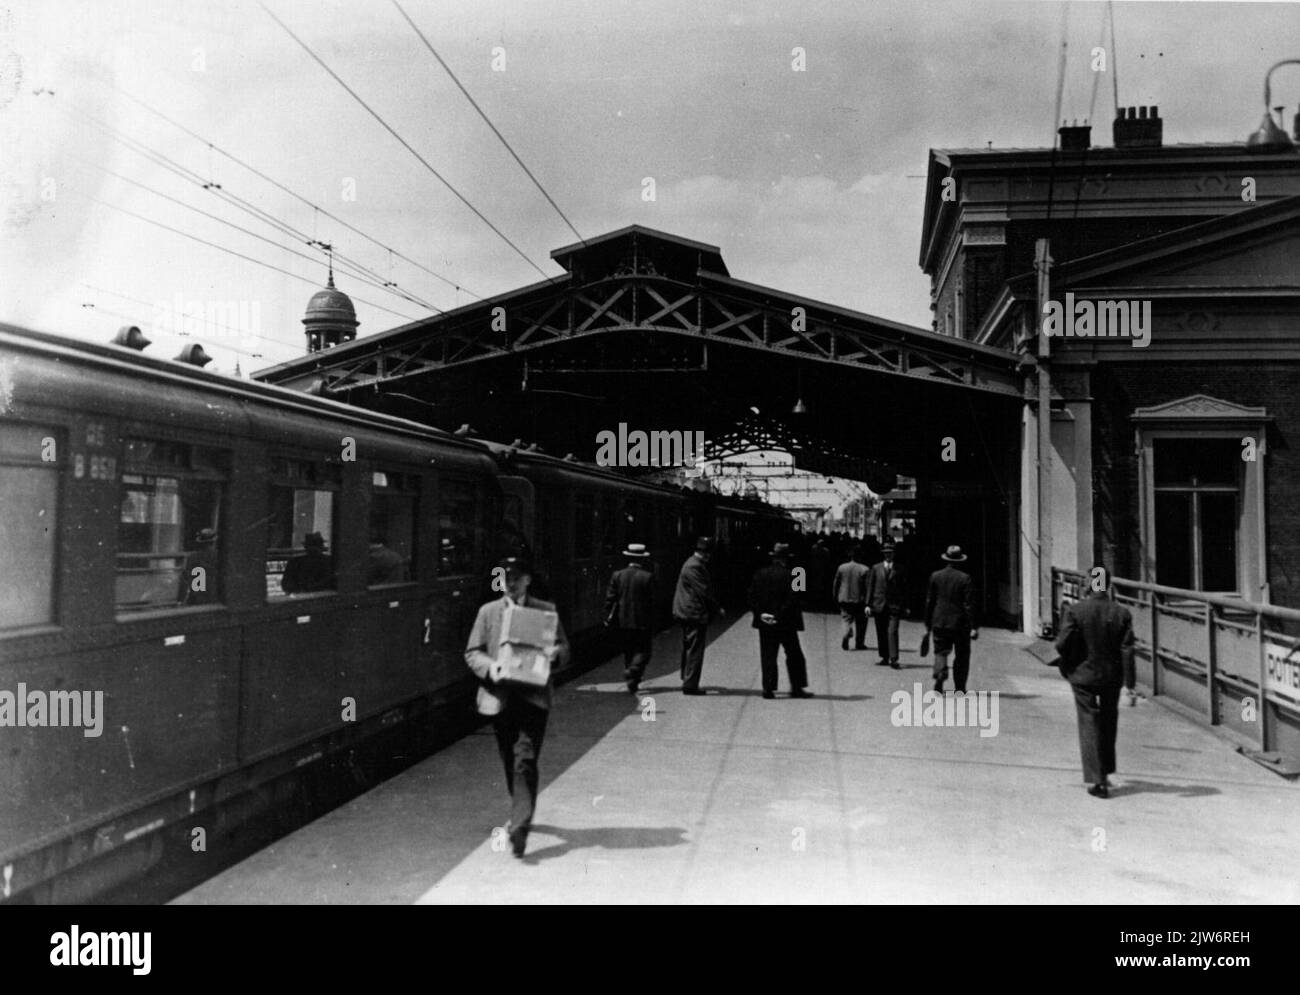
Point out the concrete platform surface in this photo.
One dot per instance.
(732, 798)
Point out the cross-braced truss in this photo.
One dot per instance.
(715, 310)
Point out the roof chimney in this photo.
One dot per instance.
(1075, 137)
(1138, 128)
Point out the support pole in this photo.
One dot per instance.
(1042, 266)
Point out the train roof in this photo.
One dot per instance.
(133, 362)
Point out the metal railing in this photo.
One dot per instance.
(1236, 662)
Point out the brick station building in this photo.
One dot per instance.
(1147, 473)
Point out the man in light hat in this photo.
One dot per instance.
(694, 603)
(950, 619)
(629, 608)
(885, 600)
(779, 620)
(519, 713)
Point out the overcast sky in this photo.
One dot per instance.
(810, 182)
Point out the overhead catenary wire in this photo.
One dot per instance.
(370, 276)
(483, 114)
(233, 252)
(359, 277)
(404, 143)
(297, 196)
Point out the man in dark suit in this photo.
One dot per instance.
(519, 712)
(629, 608)
(885, 600)
(1095, 649)
(950, 619)
(313, 571)
(779, 620)
(694, 603)
(383, 565)
(850, 593)
(821, 568)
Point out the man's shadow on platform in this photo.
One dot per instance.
(717, 692)
(1152, 787)
(607, 838)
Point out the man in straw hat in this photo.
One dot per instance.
(694, 603)
(779, 620)
(950, 619)
(629, 608)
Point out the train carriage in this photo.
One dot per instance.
(254, 590)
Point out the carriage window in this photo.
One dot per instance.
(456, 515)
(584, 527)
(609, 525)
(546, 530)
(169, 526)
(393, 503)
(30, 457)
(300, 528)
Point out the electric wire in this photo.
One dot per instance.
(481, 113)
(404, 143)
(297, 196)
(233, 252)
(140, 148)
(360, 278)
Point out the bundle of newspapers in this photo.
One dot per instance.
(528, 638)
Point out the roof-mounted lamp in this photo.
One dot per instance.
(1270, 134)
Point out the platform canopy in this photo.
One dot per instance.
(650, 329)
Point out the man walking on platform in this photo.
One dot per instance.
(519, 712)
(694, 603)
(885, 600)
(629, 608)
(1095, 647)
(950, 619)
(778, 619)
(850, 593)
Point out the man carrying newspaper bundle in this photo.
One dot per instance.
(511, 649)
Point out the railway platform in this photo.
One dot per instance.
(729, 798)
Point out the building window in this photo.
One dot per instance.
(301, 527)
(456, 516)
(1201, 504)
(169, 536)
(394, 501)
(1196, 513)
(30, 457)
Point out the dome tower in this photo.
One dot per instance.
(330, 318)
